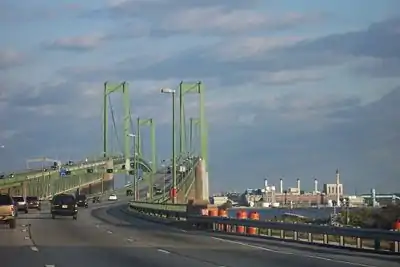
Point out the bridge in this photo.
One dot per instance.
(48, 181)
(108, 234)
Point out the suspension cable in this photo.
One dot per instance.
(133, 131)
(114, 124)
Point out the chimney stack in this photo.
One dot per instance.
(337, 187)
(315, 185)
(281, 186)
(298, 185)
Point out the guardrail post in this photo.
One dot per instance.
(282, 234)
(396, 246)
(341, 241)
(325, 238)
(310, 238)
(377, 244)
(295, 235)
(359, 242)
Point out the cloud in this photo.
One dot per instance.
(379, 41)
(277, 102)
(77, 43)
(220, 20)
(160, 18)
(17, 13)
(364, 146)
(10, 58)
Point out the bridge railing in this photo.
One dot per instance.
(382, 241)
(181, 183)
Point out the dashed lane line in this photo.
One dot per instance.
(290, 253)
(163, 251)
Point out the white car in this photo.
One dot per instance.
(112, 197)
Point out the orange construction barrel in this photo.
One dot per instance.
(396, 225)
(213, 212)
(224, 214)
(254, 215)
(241, 215)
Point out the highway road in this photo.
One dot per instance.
(105, 235)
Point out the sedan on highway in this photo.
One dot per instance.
(112, 197)
(33, 202)
(21, 203)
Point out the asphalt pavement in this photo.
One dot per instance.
(106, 235)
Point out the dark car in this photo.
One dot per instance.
(64, 205)
(33, 202)
(157, 190)
(82, 201)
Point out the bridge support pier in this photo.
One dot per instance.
(199, 192)
(24, 188)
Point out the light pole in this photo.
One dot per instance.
(172, 92)
(134, 178)
(164, 175)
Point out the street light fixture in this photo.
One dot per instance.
(172, 92)
(134, 178)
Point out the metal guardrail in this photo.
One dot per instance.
(368, 239)
(165, 197)
(159, 206)
(116, 191)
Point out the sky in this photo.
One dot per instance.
(294, 89)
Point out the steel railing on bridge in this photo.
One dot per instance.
(381, 241)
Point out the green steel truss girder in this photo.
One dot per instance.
(28, 177)
(198, 88)
(147, 122)
(51, 183)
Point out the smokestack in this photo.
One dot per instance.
(298, 184)
(315, 185)
(281, 186)
(265, 183)
(337, 187)
(337, 176)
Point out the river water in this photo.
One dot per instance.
(270, 213)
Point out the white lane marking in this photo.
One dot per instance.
(49, 265)
(109, 232)
(23, 230)
(186, 232)
(129, 240)
(290, 253)
(34, 249)
(26, 237)
(163, 251)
